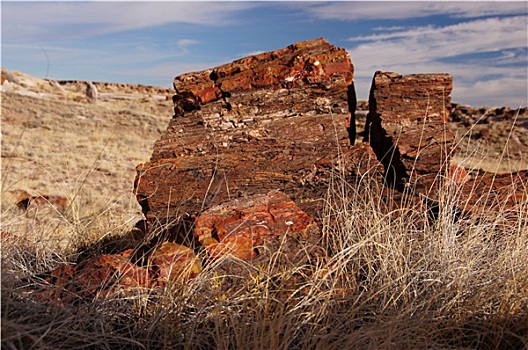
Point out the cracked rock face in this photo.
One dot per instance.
(273, 121)
(406, 127)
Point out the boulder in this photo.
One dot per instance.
(272, 121)
(245, 227)
(91, 92)
(406, 127)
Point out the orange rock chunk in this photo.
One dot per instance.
(242, 227)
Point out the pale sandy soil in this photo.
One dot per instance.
(54, 142)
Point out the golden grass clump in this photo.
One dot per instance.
(389, 279)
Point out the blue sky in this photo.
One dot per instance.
(484, 45)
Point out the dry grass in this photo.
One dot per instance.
(389, 281)
(84, 152)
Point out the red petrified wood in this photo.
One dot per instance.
(175, 262)
(242, 227)
(108, 273)
(112, 273)
(308, 62)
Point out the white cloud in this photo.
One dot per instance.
(428, 43)
(184, 43)
(362, 10)
(498, 92)
(38, 20)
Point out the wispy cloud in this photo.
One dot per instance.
(37, 20)
(431, 48)
(491, 34)
(185, 43)
(430, 43)
(507, 91)
(362, 10)
(131, 62)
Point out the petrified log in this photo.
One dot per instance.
(406, 127)
(273, 121)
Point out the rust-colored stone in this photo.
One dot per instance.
(175, 262)
(106, 274)
(406, 127)
(242, 227)
(364, 161)
(458, 174)
(483, 194)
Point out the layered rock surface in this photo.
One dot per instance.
(310, 62)
(406, 127)
(273, 121)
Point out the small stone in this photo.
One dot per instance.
(175, 262)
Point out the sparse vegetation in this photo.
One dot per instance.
(391, 279)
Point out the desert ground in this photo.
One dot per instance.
(56, 142)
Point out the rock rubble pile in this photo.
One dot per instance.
(252, 146)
